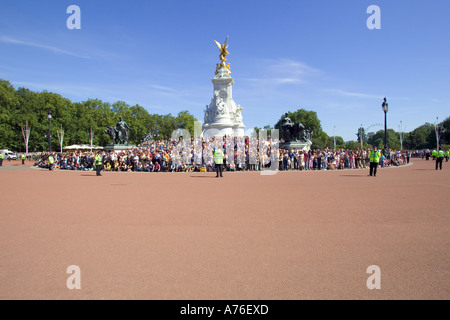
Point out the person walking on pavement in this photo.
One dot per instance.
(51, 162)
(374, 161)
(98, 163)
(427, 154)
(218, 159)
(439, 159)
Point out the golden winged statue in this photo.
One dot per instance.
(223, 56)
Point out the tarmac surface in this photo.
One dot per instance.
(190, 236)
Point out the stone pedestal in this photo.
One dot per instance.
(223, 116)
(305, 146)
(118, 147)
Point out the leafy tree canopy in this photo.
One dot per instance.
(21, 106)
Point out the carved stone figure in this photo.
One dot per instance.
(112, 132)
(122, 132)
(292, 131)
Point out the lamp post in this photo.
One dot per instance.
(401, 135)
(91, 138)
(334, 137)
(49, 136)
(385, 108)
(60, 138)
(26, 136)
(438, 130)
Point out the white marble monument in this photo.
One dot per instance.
(223, 116)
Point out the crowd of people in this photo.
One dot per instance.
(339, 159)
(241, 154)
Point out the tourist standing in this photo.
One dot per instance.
(306, 160)
(319, 160)
(286, 160)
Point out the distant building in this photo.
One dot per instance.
(368, 135)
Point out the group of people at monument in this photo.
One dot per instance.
(167, 156)
(340, 159)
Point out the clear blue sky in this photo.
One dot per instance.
(284, 55)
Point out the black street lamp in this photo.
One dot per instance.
(384, 106)
(49, 116)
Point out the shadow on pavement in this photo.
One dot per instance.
(354, 175)
(212, 176)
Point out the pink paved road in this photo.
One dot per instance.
(291, 236)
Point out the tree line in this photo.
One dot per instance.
(420, 138)
(21, 106)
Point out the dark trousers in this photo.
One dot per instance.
(439, 163)
(1, 162)
(219, 169)
(373, 169)
(98, 169)
(23, 161)
(50, 167)
(285, 164)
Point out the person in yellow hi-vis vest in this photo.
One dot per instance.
(1, 160)
(51, 162)
(434, 154)
(446, 154)
(98, 161)
(439, 158)
(374, 161)
(218, 159)
(23, 158)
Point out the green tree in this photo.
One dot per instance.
(9, 104)
(393, 139)
(340, 143)
(185, 120)
(139, 122)
(167, 125)
(445, 135)
(420, 138)
(353, 145)
(319, 140)
(356, 145)
(266, 127)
